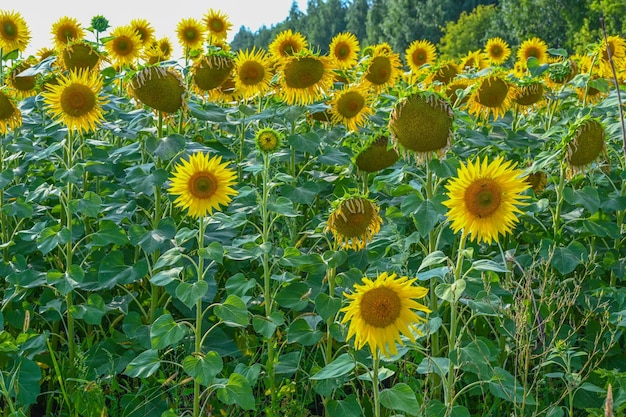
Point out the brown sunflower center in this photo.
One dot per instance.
(67, 34)
(190, 34)
(492, 92)
(446, 73)
(6, 107)
(77, 100)
(532, 51)
(342, 50)
(9, 30)
(123, 46)
(216, 25)
(380, 307)
(496, 51)
(354, 217)
(289, 48)
(379, 70)
(303, 72)
(419, 57)
(251, 73)
(350, 104)
(202, 185)
(483, 197)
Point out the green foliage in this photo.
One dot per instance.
(469, 33)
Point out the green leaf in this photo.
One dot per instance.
(92, 311)
(25, 387)
(203, 368)
(19, 209)
(450, 292)
(266, 326)
(113, 270)
(282, 206)
(169, 258)
(564, 260)
(308, 142)
(326, 305)
(294, 296)
(400, 397)
(488, 265)
(302, 193)
(165, 332)
(342, 365)
(168, 147)
(109, 233)
(504, 385)
(143, 182)
(157, 238)
(189, 294)
(50, 237)
(237, 391)
(437, 366)
(233, 312)
(587, 197)
(433, 258)
(239, 285)
(214, 251)
(144, 365)
(166, 276)
(301, 332)
(348, 407)
(426, 217)
(90, 205)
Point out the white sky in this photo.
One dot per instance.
(163, 14)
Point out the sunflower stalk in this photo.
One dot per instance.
(375, 383)
(199, 313)
(69, 248)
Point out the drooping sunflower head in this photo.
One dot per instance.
(351, 106)
(377, 155)
(78, 56)
(158, 87)
(344, 50)
(286, 44)
(10, 115)
(419, 53)
(382, 68)
(561, 71)
(533, 47)
(529, 93)
(217, 23)
(497, 50)
(45, 52)
(23, 85)
(593, 91)
(124, 46)
(458, 98)
(474, 61)
(268, 140)
(191, 33)
(354, 222)
(14, 32)
(381, 311)
(144, 29)
(66, 30)
(210, 71)
(585, 143)
(538, 181)
(304, 78)
(202, 184)
(76, 100)
(420, 125)
(252, 74)
(493, 95)
(484, 199)
(442, 73)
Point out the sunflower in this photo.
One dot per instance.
(529, 94)
(190, 33)
(443, 73)
(451, 89)
(79, 55)
(351, 107)
(252, 74)
(14, 33)
(354, 222)
(304, 78)
(124, 46)
(616, 46)
(383, 68)
(589, 93)
(217, 24)
(210, 71)
(380, 311)
(492, 95)
(533, 47)
(484, 199)
(344, 50)
(23, 85)
(158, 51)
(10, 115)
(202, 184)
(144, 29)
(538, 181)
(268, 140)
(76, 100)
(561, 71)
(419, 53)
(421, 124)
(286, 44)
(497, 51)
(585, 144)
(66, 30)
(377, 155)
(474, 60)
(158, 87)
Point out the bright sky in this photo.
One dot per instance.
(163, 14)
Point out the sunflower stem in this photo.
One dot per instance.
(559, 203)
(199, 313)
(69, 190)
(375, 366)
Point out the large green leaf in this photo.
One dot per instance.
(348, 407)
(301, 332)
(400, 397)
(189, 294)
(109, 233)
(23, 381)
(203, 368)
(92, 311)
(237, 391)
(233, 312)
(166, 332)
(341, 366)
(144, 365)
(327, 306)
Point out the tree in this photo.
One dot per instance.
(244, 39)
(356, 19)
(468, 33)
(324, 19)
(375, 19)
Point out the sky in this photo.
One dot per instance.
(163, 14)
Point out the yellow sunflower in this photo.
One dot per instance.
(10, 115)
(76, 100)
(381, 311)
(252, 74)
(383, 68)
(124, 46)
(14, 32)
(419, 53)
(304, 78)
(202, 184)
(158, 51)
(66, 30)
(144, 29)
(351, 106)
(474, 60)
(497, 51)
(616, 46)
(354, 222)
(484, 197)
(217, 23)
(286, 44)
(493, 95)
(442, 73)
(190, 33)
(344, 50)
(533, 47)
(268, 140)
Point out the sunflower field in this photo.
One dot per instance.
(280, 232)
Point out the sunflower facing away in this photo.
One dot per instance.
(124, 46)
(160, 88)
(252, 74)
(10, 115)
(217, 24)
(304, 78)
(14, 33)
(497, 50)
(533, 47)
(585, 144)
(202, 184)
(377, 155)
(484, 197)
(23, 85)
(76, 100)
(419, 53)
(286, 44)
(344, 50)
(66, 30)
(354, 222)
(351, 107)
(79, 55)
(381, 311)
(190, 33)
